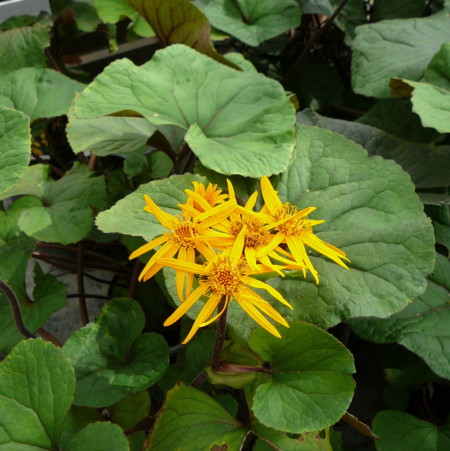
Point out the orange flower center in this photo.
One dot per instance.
(183, 233)
(224, 277)
(255, 236)
(291, 227)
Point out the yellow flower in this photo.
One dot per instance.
(180, 239)
(226, 276)
(203, 198)
(293, 229)
(258, 241)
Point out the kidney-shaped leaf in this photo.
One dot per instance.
(308, 386)
(372, 213)
(236, 122)
(191, 419)
(252, 21)
(112, 359)
(15, 140)
(423, 326)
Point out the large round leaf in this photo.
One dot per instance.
(308, 386)
(236, 122)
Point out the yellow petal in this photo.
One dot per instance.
(148, 247)
(238, 246)
(271, 199)
(251, 201)
(231, 194)
(255, 283)
(167, 220)
(326, 249)
(298, 251)
(199, 199)
(251, 310)
(168, 248)
(274, 242)
(190, 258)
(187, 304)
(180, 275)
(250, 256)
(194, 268)
(216, 214)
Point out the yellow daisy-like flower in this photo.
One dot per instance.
(203, 198)
(258, 240)
(226, 276)
(180, 239)
(295, 230)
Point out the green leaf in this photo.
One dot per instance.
(252, 21)
(372, 214)
(395, 48)
(179, 22)
(244, 127)
(108, 135)
(400, 431)
(190, 416)
(317, 84)
(438, 71)
(112, 11)
(112, 359)
(43, 92)
(98, 437)
(430, 102)
(36, 391)
(309, 384)
(271, 439)
(422, 327)
(156, 165)
(395, 116)
(426, 164)
(62, 211)
(128, 216)
(130, 410)
(49, 295)
(15, 140)
(24, 47)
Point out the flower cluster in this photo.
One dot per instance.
(224, 244)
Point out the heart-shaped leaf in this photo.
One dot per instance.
(308, 386)
(112, 359)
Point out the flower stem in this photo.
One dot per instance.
(220, 334)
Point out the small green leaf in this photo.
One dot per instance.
(15, 140)
(36, 391)
(422, 327)
(438, 71)
(252, 21)
(309, 384)
(98, 437)
(395, 48)
(271, 439)
(179, 22)
(156, 165)
(110, 135)
(49, 295)
(400, 431)
(128, 215)
(430, 102)
(130, 410)
(190, 416)
(62, 211)
(112, 11)
(43, 92)
(112, 359)
(24, 47)
(244, 127)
